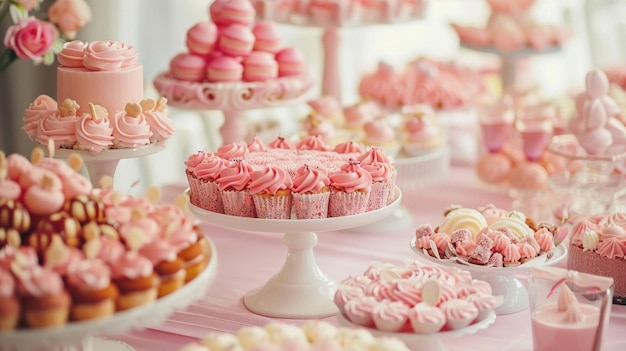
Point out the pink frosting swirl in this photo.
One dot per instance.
(109, 56)
(472, 287)
(39, 109)
(269, 180)
(613, 219)
(612, 248)
(346, 293)
(90, 275)
(360, 281)
(58, 128)
(145, 227)
(39, 282)
(374, 154)
(380, 290)
(210, 168)
(359, 310)
(94, 134)
(17, 165)
(232, 151)
(257, 145)
(500, 242)
(280, 143)
(130, 131)
(483, 302)
(24, 257)
(72, 54)
(378, 132)
(348, 147)
(493, 213)
(390, 314)
(409, 291)
(380, 172)
(527, 251)
(236, 175)
(457, 310)
(106, 249)
(312, 142)
(545, 239)
(131, 265)
(61, 258)
(7, 284)
(195, 159)
(161, 125)
(158, 251)
(427, 314)
(310, 180)
(576, 234)
(351, 178)
(511, 253)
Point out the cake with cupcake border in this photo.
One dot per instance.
(307, 178)
(71, 252)
(310, 336)
(100, 103)
(597, 245)
(233, 61)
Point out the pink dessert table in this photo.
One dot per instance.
(246, 260)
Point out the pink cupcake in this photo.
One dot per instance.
(310, 193)
(381, 184)
(233, 183)
(259, 66)
(271, 191)
(201, 38)
(224, 69)
(236, 40)
(207, 194)
(350, 190)
(188, 67)
(290, 62)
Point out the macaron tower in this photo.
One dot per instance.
(231, 47)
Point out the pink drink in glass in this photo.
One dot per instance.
(551, 332)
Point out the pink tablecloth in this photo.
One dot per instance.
(248, 260)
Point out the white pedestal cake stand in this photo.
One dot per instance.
(300, 289)
(80, 336)
(430, 342)
(504, 281)
(105, 163)
(232, 98)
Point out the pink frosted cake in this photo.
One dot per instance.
(397, 298)
(310, 336)
(233, 61)
(307, 178)
(597, 246)
(99, 103)
(75, 252)
(488, 236)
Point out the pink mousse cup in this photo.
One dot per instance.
(496, 123)
(569, 310)
(536, 130)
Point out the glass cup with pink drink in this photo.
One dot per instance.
(496, 122)
(536, 126)
(569, 310)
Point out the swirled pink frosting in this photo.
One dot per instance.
(378, 132)
(408, 291)
(131, 265)
(109, 56)
(130, 131)
(209, 168)
(576, 234)
(256, 145)
(232, 151)
(72, 54)
(7, 284)
(269, 180)
(39, 282)
(545, 239)
(346, 293)
(380, 172)
(427, 314)
(104, 248)
(374, 154)
(195, 159)
(511, 253)
(235, 175)
(158, 251)
(310, 180)
(90, 275)
(17, 165)
(161, 126)
(312, 142)
(500, 242)
(58, 128)
(24, 257)
(612, 248)
(390, 311)
(61, 258)
(348, 147)
(458, 309)
(351, 178)
(39, 109)
(94, 135)
(280, 143)
(492, 213)
(359, 310)
(144, 226)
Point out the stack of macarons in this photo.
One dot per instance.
(231, 47)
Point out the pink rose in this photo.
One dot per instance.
(28, 4)
(109, 56)
(30, 38)
(69, 16)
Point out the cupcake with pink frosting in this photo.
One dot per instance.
(208, 195)
(310, 193)
(10, 305)
(350, 190)
(271, 191)
(233, 181)
(130, 127)
(94, 132)
(379, 133)
(43, 106)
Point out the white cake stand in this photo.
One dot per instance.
(105, 163)
(414, 173)
(232, 98)
(300, 289)
(430, 342)
(504, 281)
(82, 335)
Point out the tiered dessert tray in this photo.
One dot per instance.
(81, 335)
(300, 289)
(232, 98)
(510, 60)
(105, 163)
(429, 342)
(504, 281)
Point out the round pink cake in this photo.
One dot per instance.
(598, 246)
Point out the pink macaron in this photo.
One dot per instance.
(224, 69)
(259, 66)
(290, 62)
(189, 67)
(225, 13)
(267, 36)
(201, 38)
(236, 40)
